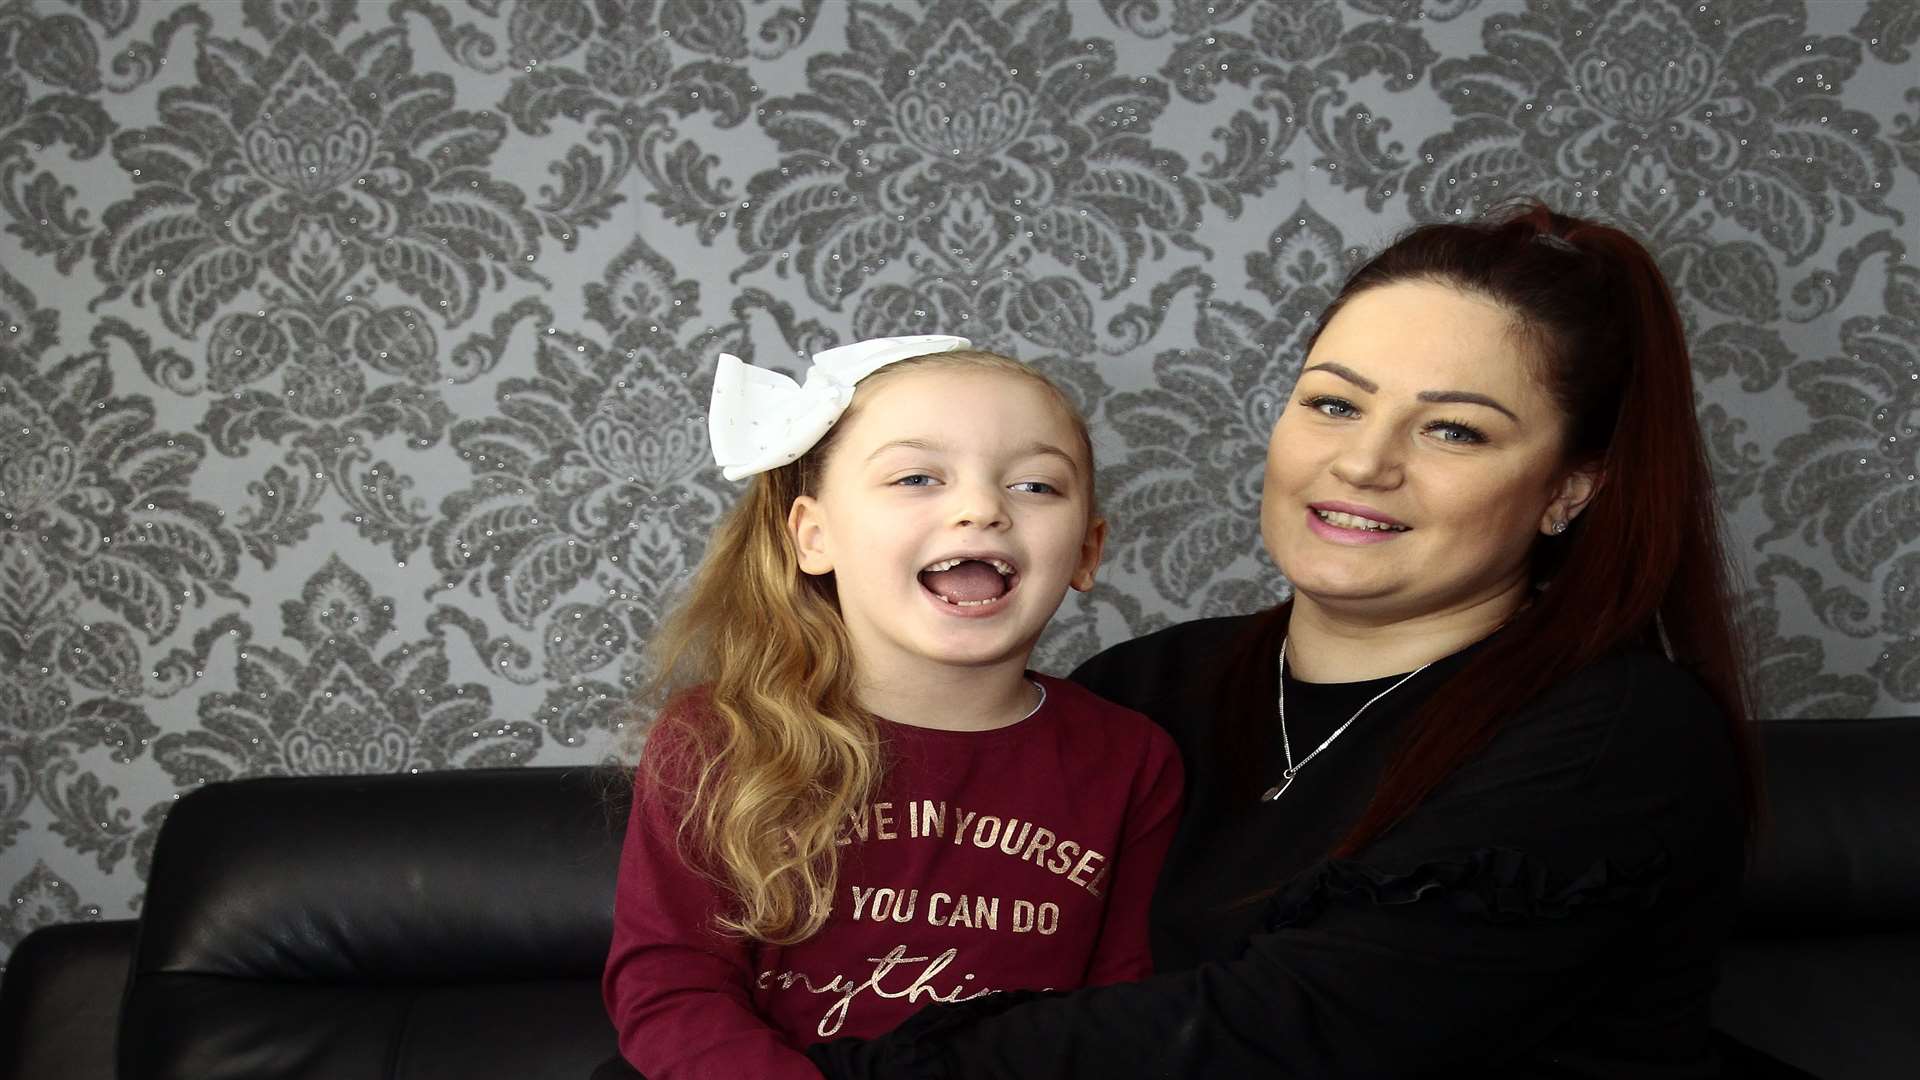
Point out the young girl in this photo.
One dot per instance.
(857, 801)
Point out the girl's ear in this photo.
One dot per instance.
(1090, 548)
(806, 523)
(1577, 488)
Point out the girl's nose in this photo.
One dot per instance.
(980, 506)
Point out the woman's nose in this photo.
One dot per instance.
(1369, 459)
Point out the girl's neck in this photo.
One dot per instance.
(951, 699)
(1330, 645)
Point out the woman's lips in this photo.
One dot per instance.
(1326, 530)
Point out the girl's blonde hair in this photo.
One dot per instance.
(756, 668)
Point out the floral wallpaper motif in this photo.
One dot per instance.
(353, 354)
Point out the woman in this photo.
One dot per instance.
(1476, 798)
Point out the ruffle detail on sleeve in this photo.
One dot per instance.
(1501, 885)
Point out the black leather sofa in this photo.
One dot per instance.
(453, 925)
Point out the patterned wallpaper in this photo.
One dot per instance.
(353, 355)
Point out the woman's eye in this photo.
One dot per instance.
(1455, 432)
(1339, 408)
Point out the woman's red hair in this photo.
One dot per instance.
(1644, 564)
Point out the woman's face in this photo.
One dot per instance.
(1416, 461)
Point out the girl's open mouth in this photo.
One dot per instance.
(970, 581)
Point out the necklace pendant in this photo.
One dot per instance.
(1273, 793)
(1280, 709)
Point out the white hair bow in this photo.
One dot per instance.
(761, 419)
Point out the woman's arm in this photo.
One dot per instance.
(1422, 979)
(679, 991)
(1508, 904)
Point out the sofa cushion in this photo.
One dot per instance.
(212, 1028)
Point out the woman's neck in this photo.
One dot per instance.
(1331, 645)
(951, 699)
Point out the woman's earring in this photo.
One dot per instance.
(1559, 526)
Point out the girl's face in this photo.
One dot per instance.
(954, 510)
(1417, 461)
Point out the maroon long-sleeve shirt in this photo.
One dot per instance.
(1018, 858)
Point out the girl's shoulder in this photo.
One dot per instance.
(671, 749)
(1076, 703)
(1122, 731)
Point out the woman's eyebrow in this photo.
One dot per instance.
(1466, 397)
(1444, 397)
(1347, 373)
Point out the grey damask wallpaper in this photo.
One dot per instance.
(352, 355)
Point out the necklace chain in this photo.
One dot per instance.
(1036, 705)
(1286, 745)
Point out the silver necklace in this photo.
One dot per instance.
(1037, 704)
(1286, 747)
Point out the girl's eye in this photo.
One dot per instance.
(1328, 405)
(1036, 487)
(915, 480)
(1454, 431)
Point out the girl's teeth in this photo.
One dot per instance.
(973, 603)
(1350, 521)
(1005, 569)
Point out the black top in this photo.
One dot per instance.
(1555, 908)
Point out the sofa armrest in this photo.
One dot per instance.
(1820, 972)
(60, 1001)
(404, 926)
